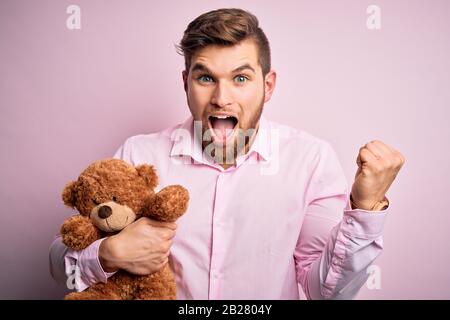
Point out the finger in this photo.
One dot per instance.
(358, 158)
(163, 259)
(376, 151)
(164, 248)
(391, 157)
(171, 236)
(161, 265)
(395, 155)
(384, 146)
(389, 151)
(169, 244)
(366, 155)
(167, 234)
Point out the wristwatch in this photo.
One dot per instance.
(380, 205)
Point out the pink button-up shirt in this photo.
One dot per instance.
(278, 218)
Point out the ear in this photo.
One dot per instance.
(69, 195)
(269, 81)
(148, 172)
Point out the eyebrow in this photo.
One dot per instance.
(200, 67)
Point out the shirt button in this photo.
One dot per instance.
(350, 220)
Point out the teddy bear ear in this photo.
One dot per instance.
(69, 195)
(148, 172)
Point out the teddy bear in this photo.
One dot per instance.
(109, 195)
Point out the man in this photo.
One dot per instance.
(269, 204)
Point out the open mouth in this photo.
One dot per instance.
(222, 127)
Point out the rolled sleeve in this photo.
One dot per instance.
(336, 243)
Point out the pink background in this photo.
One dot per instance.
(69, 97)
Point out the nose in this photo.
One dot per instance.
(221, 96)
(104, 212)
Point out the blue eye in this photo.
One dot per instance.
(203, 77)
(241, 78)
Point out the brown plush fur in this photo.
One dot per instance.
(78, 232)
(131, 190)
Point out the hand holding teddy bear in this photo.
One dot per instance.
(117, 200)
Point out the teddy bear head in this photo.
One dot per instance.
(112, 193)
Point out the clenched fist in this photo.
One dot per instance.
(378, 165)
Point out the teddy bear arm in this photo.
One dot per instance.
(78, 232)
(169, 203)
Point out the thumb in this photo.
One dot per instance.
(358, 162)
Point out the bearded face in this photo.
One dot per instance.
(226, 92)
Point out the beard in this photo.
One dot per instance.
(226, 153)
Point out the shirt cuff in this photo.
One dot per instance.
(348, 205)
(362, 223)
(85, 266)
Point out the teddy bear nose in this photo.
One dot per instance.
(104, 212)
